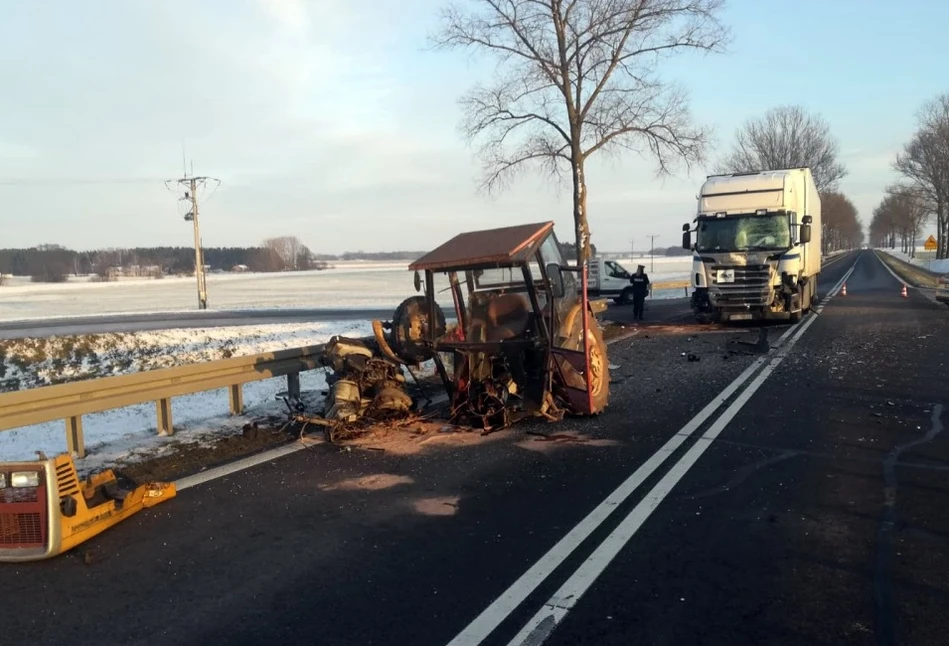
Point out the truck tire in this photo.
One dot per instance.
(625, 297)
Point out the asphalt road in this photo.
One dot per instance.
(658, 311)
(796, 496)
(163, 321)
(671, 310)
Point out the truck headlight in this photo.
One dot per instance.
(25, 479)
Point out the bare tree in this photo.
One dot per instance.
(911, 209)
(883, 225)
(576, 77)
(925, 163)
(787, 137)
(289, 251)
(842, 228)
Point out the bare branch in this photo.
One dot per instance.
(925, 163)
(787, 137)
(576, 77)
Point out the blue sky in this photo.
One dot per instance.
(331, 120)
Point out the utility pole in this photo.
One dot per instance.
(632, 249)
(652, 261)
(191, 185)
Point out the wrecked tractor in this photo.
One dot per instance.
(523, 341)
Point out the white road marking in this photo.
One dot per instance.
(492, 616)
(892, 273)
(542, 624)
(240, 465)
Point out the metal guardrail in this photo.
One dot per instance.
(71, 401)
(673, 284)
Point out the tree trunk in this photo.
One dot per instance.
(581, 225)
(942, 219)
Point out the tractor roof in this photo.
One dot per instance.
(501, 247)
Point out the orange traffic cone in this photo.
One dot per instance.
(903, 292)
(843, 292)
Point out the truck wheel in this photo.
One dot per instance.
(703, 319)
(625, 297)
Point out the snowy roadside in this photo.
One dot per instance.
(129, 434)
(923, 259)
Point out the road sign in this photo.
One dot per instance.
(930, 244)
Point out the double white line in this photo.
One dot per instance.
(553, 611)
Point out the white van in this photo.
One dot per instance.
(608, 278)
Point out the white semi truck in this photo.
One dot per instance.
(757, 250)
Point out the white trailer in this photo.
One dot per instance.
(757, 247)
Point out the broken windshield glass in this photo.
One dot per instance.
(744, 233)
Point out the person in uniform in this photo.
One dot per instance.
(640, 282)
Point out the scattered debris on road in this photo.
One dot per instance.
(45, 510)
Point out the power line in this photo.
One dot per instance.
(67, 181)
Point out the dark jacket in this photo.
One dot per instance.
(640, 283)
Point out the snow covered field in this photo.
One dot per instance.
(924, 259)
(127, 433)
(352, 285)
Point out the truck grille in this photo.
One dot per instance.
(751, 286)
(21, 529)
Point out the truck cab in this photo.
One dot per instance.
(757, 246)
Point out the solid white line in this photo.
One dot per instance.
(240, 465)
(540, 626)
(494, 614)
(892, 273)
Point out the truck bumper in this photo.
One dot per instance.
(704, 309)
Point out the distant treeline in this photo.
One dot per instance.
(54, 263)
(51, 263)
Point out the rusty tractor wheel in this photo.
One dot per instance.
(412, 328)
(599, 361)
(599, 366)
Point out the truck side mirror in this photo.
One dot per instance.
(805, 233)
(686, 237)
(555, 275)
(807, 219)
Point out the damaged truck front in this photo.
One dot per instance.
(757, 247)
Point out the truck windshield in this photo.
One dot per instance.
(744, 233)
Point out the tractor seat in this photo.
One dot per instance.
(507, 317)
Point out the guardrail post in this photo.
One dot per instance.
(75, 442)
(236, 392)
(163, 407)
(293, 385)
